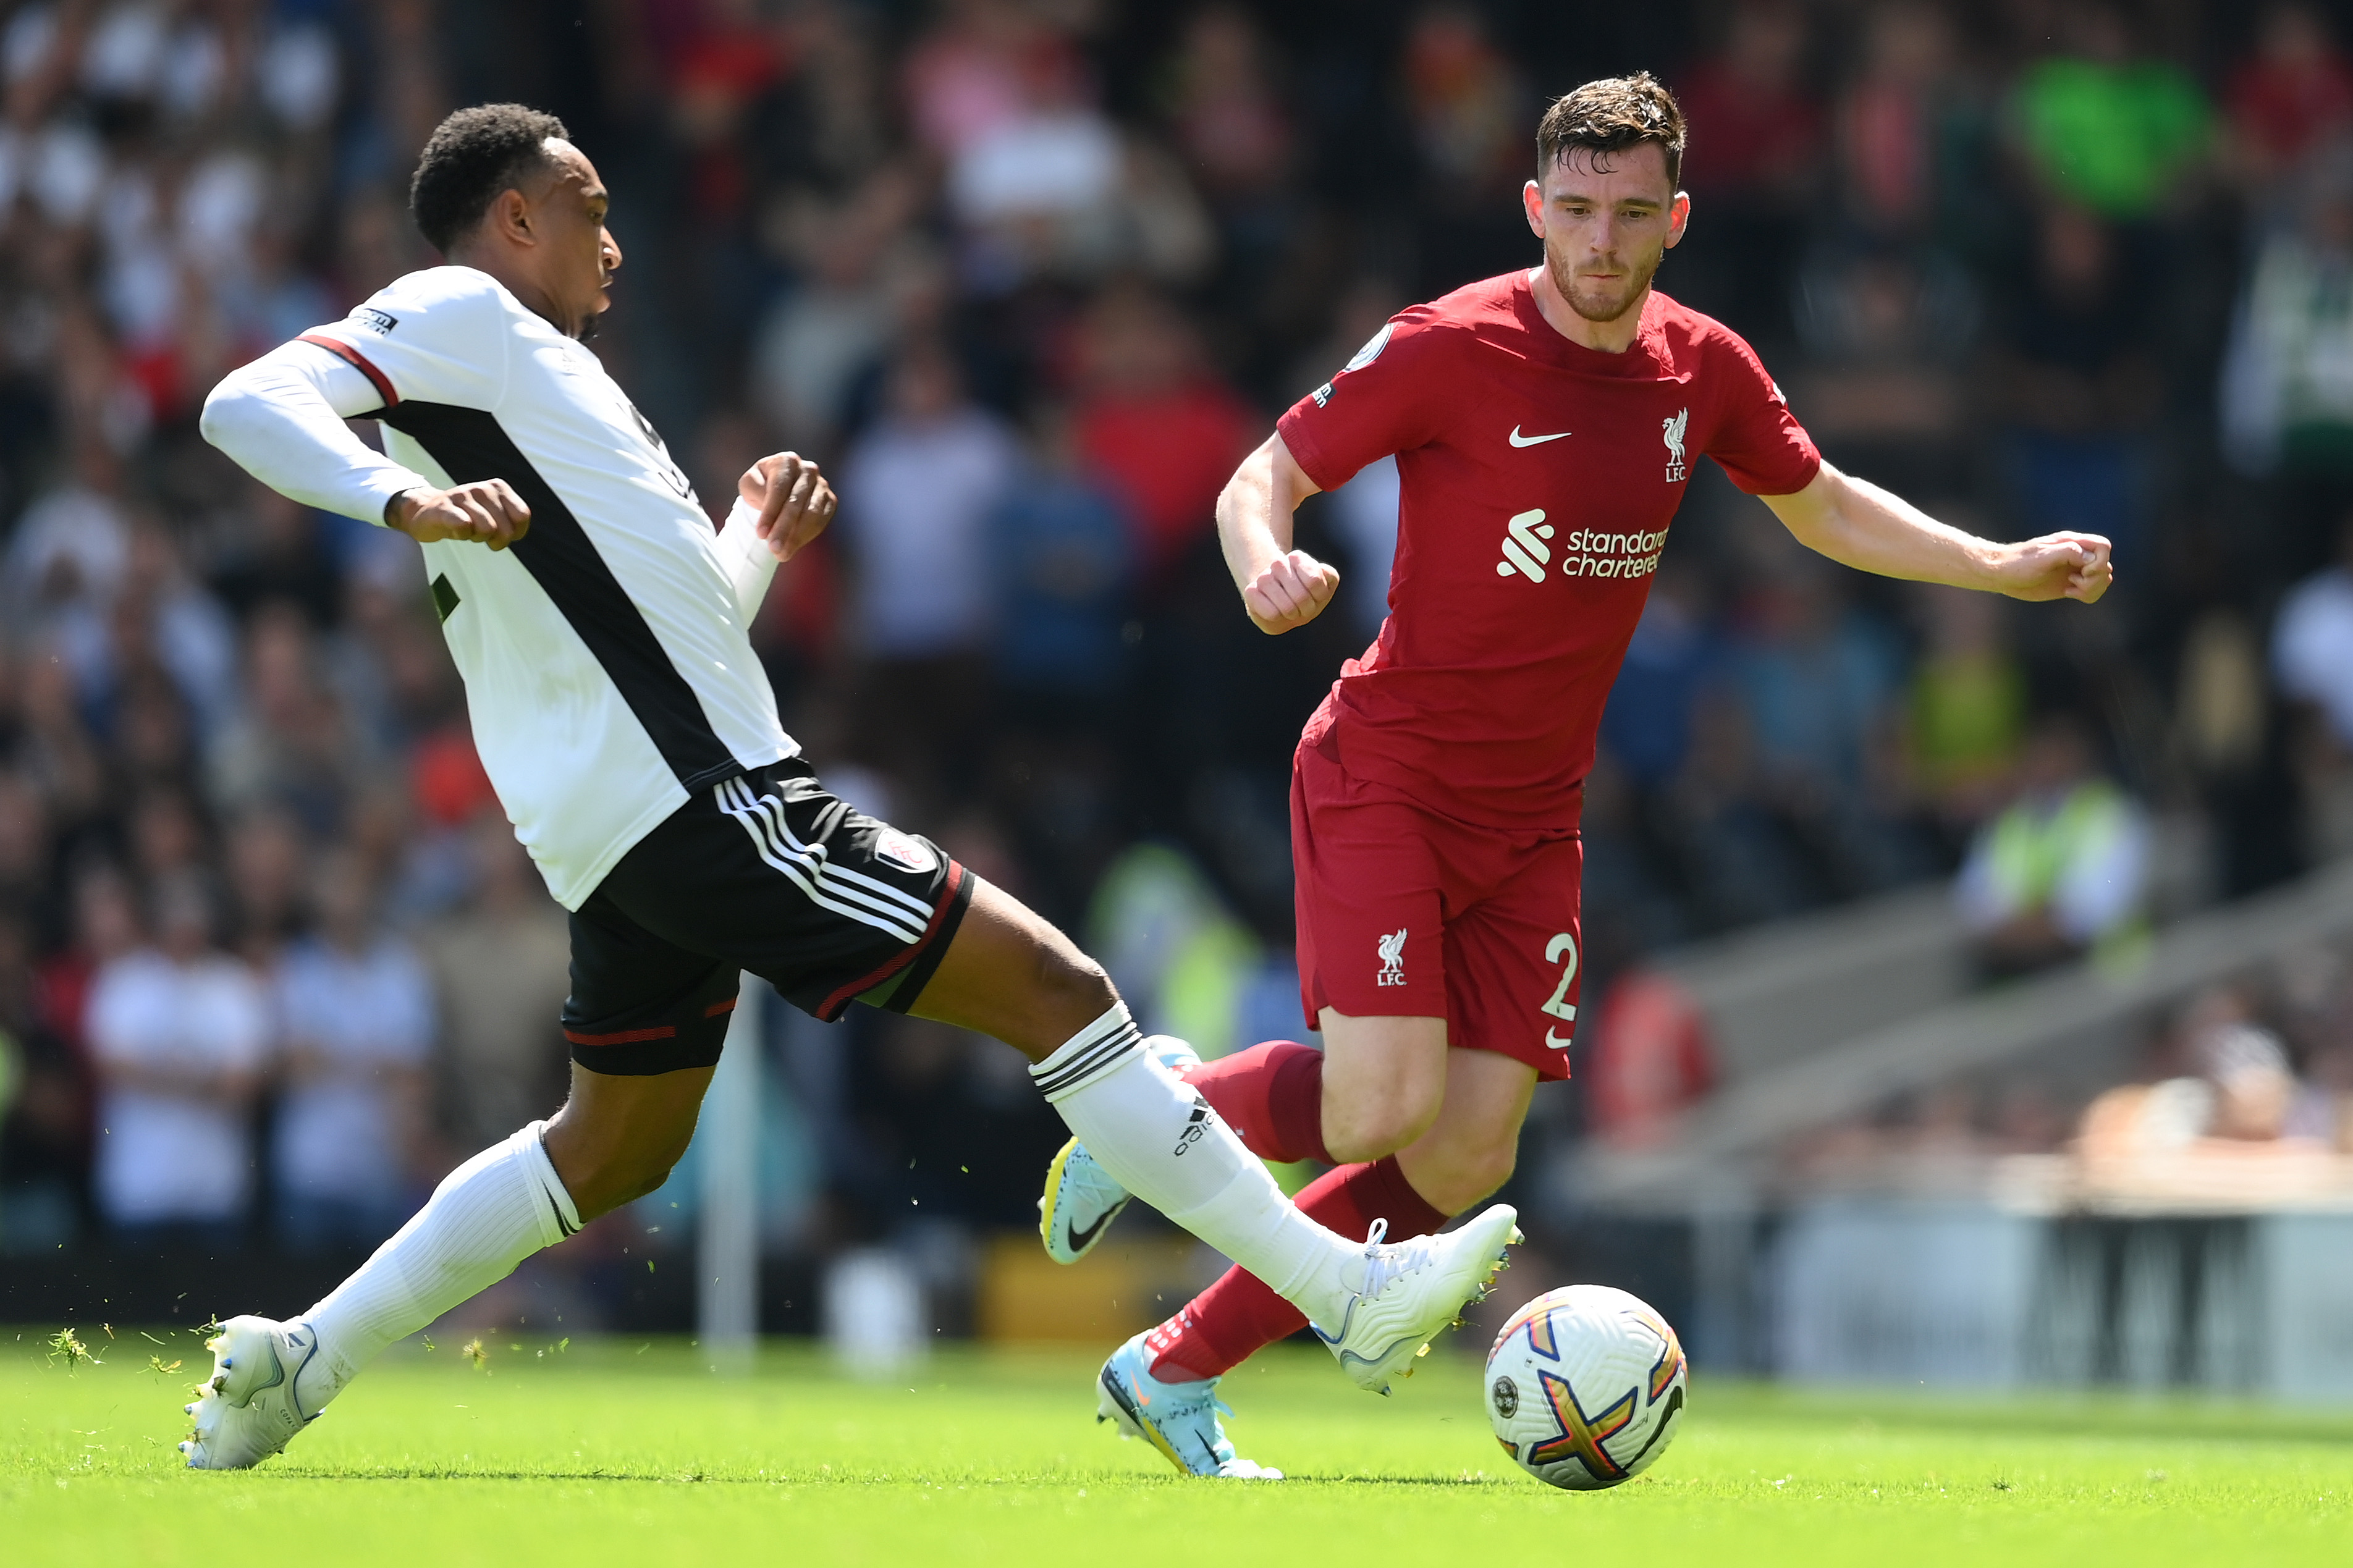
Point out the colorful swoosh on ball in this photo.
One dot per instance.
(1581, 1435)
(1671, 1354)
(1536, 1317)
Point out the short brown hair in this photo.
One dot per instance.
(1611, 115)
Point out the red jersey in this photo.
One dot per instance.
(1538, 478)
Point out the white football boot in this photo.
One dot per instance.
(1180, 1419)
(1412, 1290)
(1081, 1199)
(252, 1405)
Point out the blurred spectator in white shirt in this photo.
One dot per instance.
(180, 1032)
(2062, 869)
(2312, 643)
(502, 968)
(2312, 654)
(357, 1009)
(922, 484)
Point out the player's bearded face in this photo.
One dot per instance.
(1607, 222)
(1600, 287)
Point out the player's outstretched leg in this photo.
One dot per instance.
(1466, 1152)
(1081, 1199)
(617, 1136)
(1011, 974)
(1271, 1095)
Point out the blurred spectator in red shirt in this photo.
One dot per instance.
(1471, 109)
(1228, 115)
(2291, 95)
(980, 69)
(1755, 136)
(1651, 1060)
(1756, 152)
(1156, 421)
(1469, 103)
(1893, 119)
(720, 62)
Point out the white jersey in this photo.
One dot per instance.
(607, 666)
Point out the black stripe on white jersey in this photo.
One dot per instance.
(471, 445)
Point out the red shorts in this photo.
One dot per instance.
(1407, 913)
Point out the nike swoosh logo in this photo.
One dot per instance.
(1558, 1045)
(1081, 1239)
(1520, 440)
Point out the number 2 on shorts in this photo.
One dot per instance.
(1560, 1006)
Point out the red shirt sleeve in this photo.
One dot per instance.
(1389, 398)
(1758, 440)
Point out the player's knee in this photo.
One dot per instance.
(623, 1174)
(1369, 1127)
(1068, 981)
(1472, 1175)
(647, 1173)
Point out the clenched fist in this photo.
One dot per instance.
(486, 512)
(2056, 566)
(1288, 591)
(795, 501)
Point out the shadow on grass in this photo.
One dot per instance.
(453, 1473)
(683, 1478)
(1446, 1481)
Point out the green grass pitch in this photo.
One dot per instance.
(608, 1452)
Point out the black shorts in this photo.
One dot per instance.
(767, 872)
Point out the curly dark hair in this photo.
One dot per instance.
(472, 157)
(1611, 115)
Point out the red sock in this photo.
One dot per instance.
(1271, 1095)
(1227, 1323)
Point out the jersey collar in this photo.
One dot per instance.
(1644, 359)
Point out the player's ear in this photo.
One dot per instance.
(1532, 203)
(510, 215)
(1678, 215)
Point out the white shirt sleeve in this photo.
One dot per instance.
(750, 563)
(441, 335)
(281, 419)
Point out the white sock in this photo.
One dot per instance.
(1161, 1140)
(486, 1217)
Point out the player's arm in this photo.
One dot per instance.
(1281, 587)
(782, 502)
(281, 418)
(1858, 525)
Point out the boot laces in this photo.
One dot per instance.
(1385, 1261)
(1188, 1402)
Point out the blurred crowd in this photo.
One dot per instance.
(2239, 1096)
(1030, 276)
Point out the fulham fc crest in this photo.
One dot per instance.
(904, 851)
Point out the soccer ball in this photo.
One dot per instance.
(1586, 1387)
